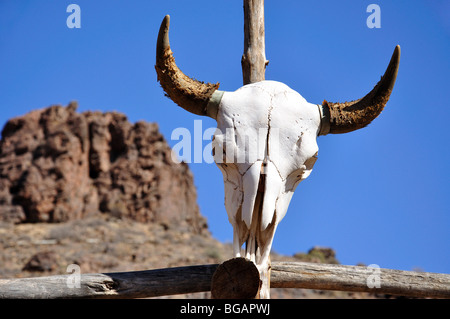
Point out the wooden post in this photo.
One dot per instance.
(236, 278)
(254, 58)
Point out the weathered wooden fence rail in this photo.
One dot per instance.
(181, 280)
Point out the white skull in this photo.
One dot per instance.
(265, 145)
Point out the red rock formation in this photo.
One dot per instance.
(58, 165)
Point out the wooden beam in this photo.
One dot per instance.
(360, 279)
(134, 284)
(181, 280)
(254, 58)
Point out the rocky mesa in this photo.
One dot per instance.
(58, 165)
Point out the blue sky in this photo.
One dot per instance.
(379, 195)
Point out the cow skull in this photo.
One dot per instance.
(265, 143)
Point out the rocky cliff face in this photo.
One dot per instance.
(58, 165)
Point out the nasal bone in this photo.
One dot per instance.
(261, 177)
(272, 187)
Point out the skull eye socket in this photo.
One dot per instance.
(219, 150)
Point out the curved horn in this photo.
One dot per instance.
(192, 95)
(349, 116)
